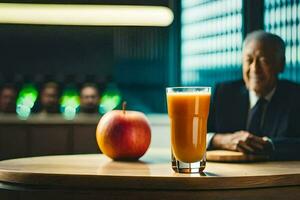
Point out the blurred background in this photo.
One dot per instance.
(201, 46)
(132, 60)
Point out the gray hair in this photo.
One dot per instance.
(275, 41)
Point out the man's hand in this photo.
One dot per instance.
(242, 141)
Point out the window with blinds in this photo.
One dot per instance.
(211, 41)
(282, 18)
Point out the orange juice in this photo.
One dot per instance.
(188, 113)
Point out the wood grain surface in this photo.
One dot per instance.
(152, 172)
(233, 156)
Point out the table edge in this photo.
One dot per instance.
(147, 182)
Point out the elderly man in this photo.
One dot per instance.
(258, 115)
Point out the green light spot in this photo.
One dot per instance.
(26, 100)
(109, 101)
(69, 103)
(23, 111)
(69, 112)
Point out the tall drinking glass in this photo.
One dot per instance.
(188, 109)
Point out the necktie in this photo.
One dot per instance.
(255, 117)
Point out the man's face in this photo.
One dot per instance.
(89, 99)
(8, 100)
(260, 67)
(49, 97)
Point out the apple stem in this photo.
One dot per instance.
(124, 107)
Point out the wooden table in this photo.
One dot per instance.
(97, 177)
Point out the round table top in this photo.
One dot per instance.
(153, 171)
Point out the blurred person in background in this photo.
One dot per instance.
(89, 99)
(8, 95)
(49, 98)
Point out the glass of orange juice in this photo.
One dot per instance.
(188, 109)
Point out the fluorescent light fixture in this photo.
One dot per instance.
(86, 15)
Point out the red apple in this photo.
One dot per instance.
(123, 135)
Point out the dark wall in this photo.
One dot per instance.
(141, 61)
(55, 50)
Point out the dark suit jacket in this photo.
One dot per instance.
(230, 107)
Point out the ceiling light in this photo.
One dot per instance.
(86, 15)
